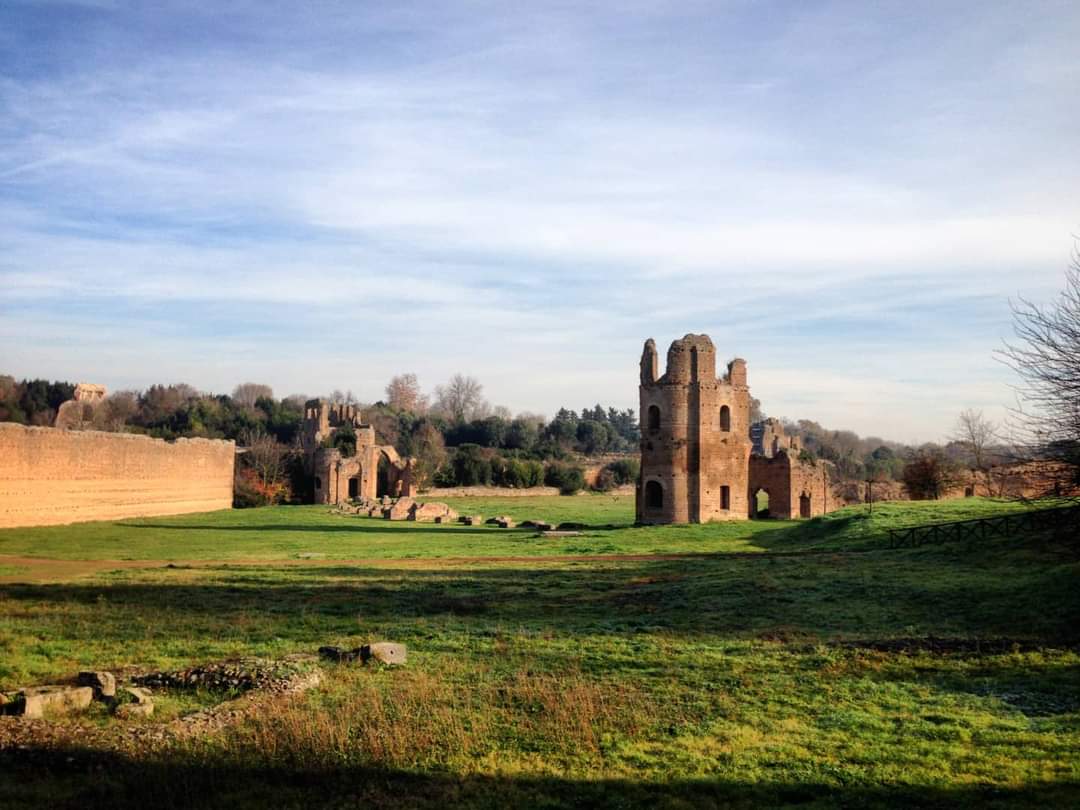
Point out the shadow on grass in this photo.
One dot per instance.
(380, 528)
(821, 596)
(80, 778)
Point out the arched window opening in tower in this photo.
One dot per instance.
(654, 495)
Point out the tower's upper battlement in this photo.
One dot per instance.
(690, 359)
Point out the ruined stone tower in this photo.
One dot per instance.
(695, 436)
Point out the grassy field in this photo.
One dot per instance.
(290, 531)
(820, 669)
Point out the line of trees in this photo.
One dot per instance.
(460, 439)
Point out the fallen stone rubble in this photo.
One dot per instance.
(241, 675)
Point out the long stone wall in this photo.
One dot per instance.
(50, 476)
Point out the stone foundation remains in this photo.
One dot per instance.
(50, 476)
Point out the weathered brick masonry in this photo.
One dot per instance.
(698, 459)
(51, 476)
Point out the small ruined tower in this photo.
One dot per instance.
(695, 441)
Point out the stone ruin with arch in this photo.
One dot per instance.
(699, 461)
(373, 472)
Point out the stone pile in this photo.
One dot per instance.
(241, 675)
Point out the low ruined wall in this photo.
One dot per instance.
(50, 476)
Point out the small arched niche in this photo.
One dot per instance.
(654, 495)
(654, 417)
(725, 418)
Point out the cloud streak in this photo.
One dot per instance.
(327, 198)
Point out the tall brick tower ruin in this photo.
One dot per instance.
(695, 436)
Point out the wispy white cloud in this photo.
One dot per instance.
(528, 195)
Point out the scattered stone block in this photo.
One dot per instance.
(140, 694)
(541, 526)
(431, 512)
(571, 527)
(385, 652)
(37, 700)
(400, 510)
(505, 522)
(136, 701)
(140, 703)
(103, 683)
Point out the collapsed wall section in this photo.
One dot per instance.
(795, 488)
(50, 476)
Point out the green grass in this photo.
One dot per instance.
(289, 531)
(942, 675)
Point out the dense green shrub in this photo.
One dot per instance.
(516, 473)
(605, 481)
(625, 470)
(344, 439)
(568, 478)
(472, 466)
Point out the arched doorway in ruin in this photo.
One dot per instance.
(760, 503)
(384, 477)
(804, 505)
(654, 495)
(354, 487)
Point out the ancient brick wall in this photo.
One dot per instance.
(51, 476)
(795, 488)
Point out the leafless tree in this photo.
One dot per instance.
(296, 401)
(403, 392)
(117, 410)
(462, 398)
(247, 394)
(537, 419)
(977, 435)
(264, 455)
(339, 397)
(429, 450)
(928, 474)
(1046, 356)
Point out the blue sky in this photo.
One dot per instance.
(321, 195)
